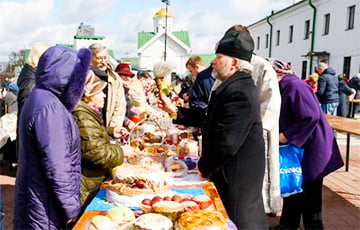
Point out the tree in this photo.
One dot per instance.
(16, 59)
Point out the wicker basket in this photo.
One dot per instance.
(159, 157)
(156, 150)
(137, 132)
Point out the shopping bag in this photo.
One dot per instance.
(290, 169)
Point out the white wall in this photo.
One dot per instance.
(176, 55)
(339, 42)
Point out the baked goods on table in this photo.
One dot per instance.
(120, 214)
(100, 222)
(202, 219)
(139, 185)
(168, 208)
(176, 167)
(115, 217)
(153, 221)
(179, 202)
(188, 147)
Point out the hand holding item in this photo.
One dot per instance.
(282, 139)
(120, 132)
(166, 104)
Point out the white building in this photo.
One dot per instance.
(163, 44)
(310, 31)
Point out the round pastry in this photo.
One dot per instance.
(120, 214)
(202, 219)
(152, 221)
(101, 223)
(170, 209)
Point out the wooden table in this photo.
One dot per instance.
(348, 126)
(208, 187)
(352, 105)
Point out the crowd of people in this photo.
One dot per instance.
(75, 111)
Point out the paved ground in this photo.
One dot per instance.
(341, 192)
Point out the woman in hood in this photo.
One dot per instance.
(47, 190)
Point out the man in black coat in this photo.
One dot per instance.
(233, 145)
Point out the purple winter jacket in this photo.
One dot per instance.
(47, 190)
(305, 125)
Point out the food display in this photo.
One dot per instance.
(176, 168)
(202, 219)
(100, 222)
(153, 221)
(152, 138)
(188, 147)
(120, 214)
(185, 203)
(159, 188)
(168, 208)
(151, 164)
(127, 170)
(138, 185)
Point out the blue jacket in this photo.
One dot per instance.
(47, 190)
(201, 89)
(328, 87)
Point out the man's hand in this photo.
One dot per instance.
(165, 104)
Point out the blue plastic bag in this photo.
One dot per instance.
(291, 176)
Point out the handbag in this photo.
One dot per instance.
(291, 176)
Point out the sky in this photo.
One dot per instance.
(25, 22)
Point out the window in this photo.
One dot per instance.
(303, 70)
(291, 33)
(347, 65)
(278, 37)
(267, 41)
(307, 29)
(326, 24)
(351, 17)
(258, 43)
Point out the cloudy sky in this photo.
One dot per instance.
(24, 22)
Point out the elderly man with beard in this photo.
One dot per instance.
(233, 145)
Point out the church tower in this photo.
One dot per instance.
(163, 19)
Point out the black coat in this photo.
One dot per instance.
(233, 149)
(25, 82)
(344, 92)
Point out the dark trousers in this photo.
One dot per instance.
(306, 205)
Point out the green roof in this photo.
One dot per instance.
(67, 45)
(89, 37)
(183, 36)
(144, 37)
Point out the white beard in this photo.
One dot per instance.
(223, 73)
